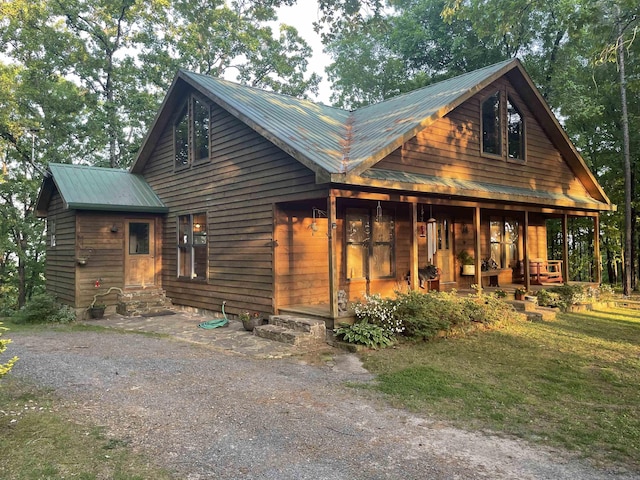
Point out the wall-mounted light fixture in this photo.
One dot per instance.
(114, 228)
(316, 213)
(379, 212)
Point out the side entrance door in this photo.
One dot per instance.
(139, 264)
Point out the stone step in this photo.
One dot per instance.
(299, 324)
(541, 314)
(143, 301)
(523, 305)
(286, 335)
(294, 330)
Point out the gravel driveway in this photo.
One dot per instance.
(209, 414)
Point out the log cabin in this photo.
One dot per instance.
(269, 203)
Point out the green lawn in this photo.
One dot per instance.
(573, 382)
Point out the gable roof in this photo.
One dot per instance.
(339, 145)
(84, 187)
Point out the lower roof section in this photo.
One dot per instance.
(469, 189)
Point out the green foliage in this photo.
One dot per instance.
(365, 333)
(44, 308)
(427, 315)
(378, 311)
(571, 383)
(5, 367)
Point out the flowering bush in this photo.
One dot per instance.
(379, 311)
(5, 367)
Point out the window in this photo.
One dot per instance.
(515, 131)
(192, 246)
(370, 245)
(191, 133)
(491, 128)
(138, 238)
(504, 241)
(51, 229)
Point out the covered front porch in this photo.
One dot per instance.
(335, 250)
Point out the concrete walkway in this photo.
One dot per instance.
(184, 326)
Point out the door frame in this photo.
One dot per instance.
(151, 255)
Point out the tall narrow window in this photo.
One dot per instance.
(192, 246)
(515, 131)
(191, 133)
(504, 241)
(200, 130)
(181, 139)
(51, 227)
(491, 125)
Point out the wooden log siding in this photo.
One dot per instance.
(237, 189)
(104, 251)
(302, 258)
(451, 148)
(60, 266)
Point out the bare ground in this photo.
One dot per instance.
(206, 413)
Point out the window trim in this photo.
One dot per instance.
(523, 135)
(188, 110)
(484, 153)
(504, 99)
(192, 245)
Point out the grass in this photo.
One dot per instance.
(38, 440)
(572, 383)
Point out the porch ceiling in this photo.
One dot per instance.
(399, 180)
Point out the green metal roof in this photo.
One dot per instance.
(473, 189)
(337, 140)
(93, 188)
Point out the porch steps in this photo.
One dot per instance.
(143, 301)
(533, 312)
(294, 330)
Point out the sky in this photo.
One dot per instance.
(302, 15)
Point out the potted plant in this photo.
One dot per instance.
(468, 263)
(520, 293)
(251, 320)
(96, 310)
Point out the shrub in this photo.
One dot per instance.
(378, 311)
(547, 298)
(424, 315)
(365, 333)
(5, 367)
(44, 308)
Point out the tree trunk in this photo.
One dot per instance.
(626, 285)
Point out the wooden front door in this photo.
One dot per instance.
(139, 262)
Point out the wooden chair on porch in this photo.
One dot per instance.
(545, 271)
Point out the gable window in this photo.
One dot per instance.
(51, 228)
(491, 125)
(515, 131)
(192, 246)
(191, 133)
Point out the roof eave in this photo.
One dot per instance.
(117, 208)
(594, 206)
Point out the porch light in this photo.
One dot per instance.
(316, 213)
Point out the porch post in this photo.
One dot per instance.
(413, 254)
(565, 248)
(596, 249)
(477, 247)
(525, 247)
(333, 269)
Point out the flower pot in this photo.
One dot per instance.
(252, 323)
(468, 269)
(97, 312)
